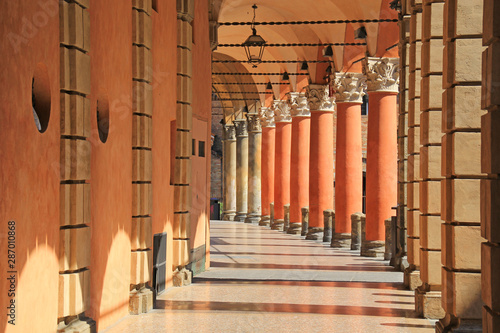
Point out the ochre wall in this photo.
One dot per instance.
(111, 162)
(202, 88)
(164, 110)
(30, 172)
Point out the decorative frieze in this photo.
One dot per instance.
(254, 122)
(319, 99)
(241, 128)
(282, 112)
(382, 74)
(298, 105)
(349, 87)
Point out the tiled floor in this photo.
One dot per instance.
(266, 281)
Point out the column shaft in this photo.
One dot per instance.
(282, 169)
(254, 168)
(381, 167)
(229, 173)
(349, 166)
(299, 182)
(241, 170)
(268, 144)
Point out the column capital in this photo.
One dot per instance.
(254, 125)
(349, 87)
(319, 98)
(241, 128)
(382, 74)
(229, 132)
(267, 117)
(298, 105)
(282, 112)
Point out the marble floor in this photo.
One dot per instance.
(262, 280)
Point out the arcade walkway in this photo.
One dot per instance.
(266, 281)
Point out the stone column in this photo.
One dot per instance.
(461, 145)
(241, 169)
(381, 167)
(400, 261)
(299, 170)
(349, 94)
(428, 295)
(322, 107)
(490, 188)
(254, 168)
(414, 77)
(229, 172)
(267, 172)
(283, 120)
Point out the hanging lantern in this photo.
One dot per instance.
(254, 45)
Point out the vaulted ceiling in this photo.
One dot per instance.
(238, 89)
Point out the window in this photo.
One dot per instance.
(193, 147)
(201, 148)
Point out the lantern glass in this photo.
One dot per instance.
(254, 48)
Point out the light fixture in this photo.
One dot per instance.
(328, 51)
(329, 69)
(254, 45)
(286, 77)
(304, 66)
(269, 86)
(360, 33)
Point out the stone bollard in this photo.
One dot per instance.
(305, 220)
(388, 239)
(356, 230)
(286, 223)
(271, 217)
(328, 225)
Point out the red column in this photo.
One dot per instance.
(321, 161)
(267, 173)
(381, 165)
(299, 170)
(349, 165)
(282, 162)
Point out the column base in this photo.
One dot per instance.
(240, 217)
(141, 301)
(79, 324)
(228, 216)
(253, 219)
(428, 303)
(294, 228)
(452, 324)
(182, 278)
(265, 221)
(341, 240)
(374, 249)
(411, 278)
(305, 227)
(278, 224)
(314, 233)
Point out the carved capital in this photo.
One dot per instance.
(349, 87)
(282, 112)
(241, 128)
(319, 98)
(229, 132)
(254, 123)
(382, 74)
(298, 105)
(267, 117)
